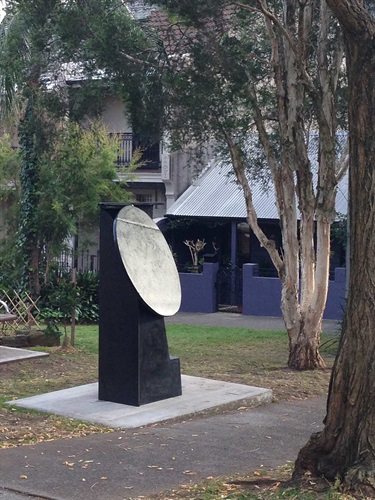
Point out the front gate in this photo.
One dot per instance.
(229, 289)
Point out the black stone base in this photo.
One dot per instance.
(145, 372)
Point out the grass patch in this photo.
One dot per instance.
(246, 356)
(259, 485)
(232, 354)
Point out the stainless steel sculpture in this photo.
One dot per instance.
(139, 285)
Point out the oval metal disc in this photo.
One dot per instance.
(148, 260)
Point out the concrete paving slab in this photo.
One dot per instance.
(198, 395)
(11, 354)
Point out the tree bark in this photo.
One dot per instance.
(345, 448)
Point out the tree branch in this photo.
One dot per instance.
(343, 163)
(273, 18)
(353, 17)
(239, 169)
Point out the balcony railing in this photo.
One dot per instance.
(128, 143)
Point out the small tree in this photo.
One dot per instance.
(195, 248)
(236, 68)
(77, 174)
(32, 62)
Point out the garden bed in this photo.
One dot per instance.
(28, 338)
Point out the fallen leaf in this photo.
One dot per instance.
(23, 477)
(189, 473)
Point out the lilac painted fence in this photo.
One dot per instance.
(199, 290)
(261, 296)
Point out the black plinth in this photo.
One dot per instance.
(134, 363)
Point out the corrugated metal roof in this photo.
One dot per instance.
(215, 193)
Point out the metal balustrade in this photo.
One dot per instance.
(128, 143)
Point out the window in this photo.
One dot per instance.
(144, 197)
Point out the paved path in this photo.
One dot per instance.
(240, 321)
(131, 463)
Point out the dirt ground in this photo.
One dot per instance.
(71, 367)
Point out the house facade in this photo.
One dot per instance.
(163, 175)
(213, 209)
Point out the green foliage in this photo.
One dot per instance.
(339, 230)
(75, 176)
(119, 51)
(216, 62)
(10, 162)
(59, 296)
(207, 78)
(65, 171)
(9, 265)
(88, 304)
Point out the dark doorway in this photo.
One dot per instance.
(229, 289)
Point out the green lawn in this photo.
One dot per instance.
(235, 354)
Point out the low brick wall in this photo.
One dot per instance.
(199, 290)
(262, 296)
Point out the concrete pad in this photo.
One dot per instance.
(11, 354)
(198, 395)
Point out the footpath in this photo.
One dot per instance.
(130, 463)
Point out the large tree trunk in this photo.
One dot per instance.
(346, 446)
(304, 353)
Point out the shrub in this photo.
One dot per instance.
(88, 303)
(59, 296)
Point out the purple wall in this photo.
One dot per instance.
(336, 295)
(198, 290)
(262, 296)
